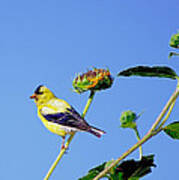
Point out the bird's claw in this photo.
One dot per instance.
(65, 148)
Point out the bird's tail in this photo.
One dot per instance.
(95, 131)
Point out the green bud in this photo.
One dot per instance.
(174, 41)
(128, 119)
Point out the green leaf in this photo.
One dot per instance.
(94, 172)
(173, 54)
(172, 130)
(116, 176)
(89, 176)
(133, 178)
(155, 71)
(127, 170)
(134, 170)
(112, 175)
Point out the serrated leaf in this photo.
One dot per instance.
(127, 170)
(89, 176)
(93, 172)
(146, 71)
(172, 130)
(132, 169)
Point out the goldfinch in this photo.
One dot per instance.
(58, 116)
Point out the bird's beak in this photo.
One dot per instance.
(34, 96)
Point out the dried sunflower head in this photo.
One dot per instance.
(94, 80)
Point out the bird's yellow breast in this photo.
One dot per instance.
(53, 127)
(52, 107)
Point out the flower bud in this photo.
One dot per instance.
(94, 80)
(128, 119)
(174, 42)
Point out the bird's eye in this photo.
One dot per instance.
(39, 93)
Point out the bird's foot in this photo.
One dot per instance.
(64, 148)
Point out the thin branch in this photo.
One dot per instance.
(90, 99)
(92, 93)
(145, 138)
(160, 128)
(138, 138)
(165, 109)
(168, 114)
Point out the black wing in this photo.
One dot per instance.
(70, 118)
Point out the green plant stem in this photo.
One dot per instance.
(59, 157)
(92, 93)
(149, 134)
(165, 109)
(138, 138)
(90, 99)
(165, 119)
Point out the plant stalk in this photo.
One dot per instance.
(149, 134)
(138, 139)
(165, 109)
(90, 99)
(92, 93)
(160, 128)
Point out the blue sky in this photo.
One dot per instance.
(47, 42)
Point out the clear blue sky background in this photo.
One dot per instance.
(47, 42)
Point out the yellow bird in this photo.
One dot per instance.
(58, 116)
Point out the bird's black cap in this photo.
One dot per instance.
(37, 91)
